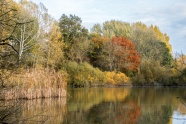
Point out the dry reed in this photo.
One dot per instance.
(35, 83)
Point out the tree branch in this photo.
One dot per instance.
(10, 46)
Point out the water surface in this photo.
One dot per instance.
(108, 106)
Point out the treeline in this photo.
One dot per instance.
(112, 53)
(120, 53)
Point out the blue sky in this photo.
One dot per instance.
(168, 15)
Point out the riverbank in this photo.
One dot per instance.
(128, 85)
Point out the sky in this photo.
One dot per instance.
(168, 15)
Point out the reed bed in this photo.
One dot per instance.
(35, 83)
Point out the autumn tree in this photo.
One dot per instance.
(142, 35)
(25, 35)
(43, 43)
(180, 61)
(117, 54)
(98, 43)
(161, 36)
(180, 66)
(8, 23)
(53, 51)
(126, 57)
(48, 36)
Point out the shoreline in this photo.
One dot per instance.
(129, 85)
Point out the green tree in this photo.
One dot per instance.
(72, 31)
(149, 45)
(112, 28)
(115, 28)
(71, 27)
(140, 34)
(97, 29)
(78, 51)
(155, 50)
(104, 57)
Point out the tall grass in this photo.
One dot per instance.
(35, 83)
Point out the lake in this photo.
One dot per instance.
(105, 106)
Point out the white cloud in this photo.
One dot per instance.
(169, 15)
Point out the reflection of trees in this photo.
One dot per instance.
(111, 113)
(157, 117)
(83, 99)
(8, 110)
(157, 104)
(34, 111)
(123, 105)
(156, 97)
(53, 109)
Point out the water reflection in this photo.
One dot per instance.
(84, 99)
(106, 106)
(125, 105)
(37, 111)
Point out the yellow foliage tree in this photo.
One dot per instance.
(55, 47)
(116, 78)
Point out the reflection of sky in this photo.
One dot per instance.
(178, 118)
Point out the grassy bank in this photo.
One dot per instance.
(34, 83)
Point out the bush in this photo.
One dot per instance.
(139, 79)
(83, 74)
(116, 78)
(152, 72)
